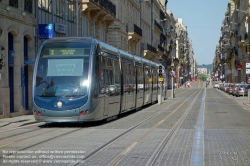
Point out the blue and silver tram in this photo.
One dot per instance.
(82, 79)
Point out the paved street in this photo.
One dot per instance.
(200, 126)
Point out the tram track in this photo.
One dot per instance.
(43, 124)
(155, 158)
(37, 135)
(178, 123)
(112, 141)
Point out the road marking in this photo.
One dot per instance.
(197, 156)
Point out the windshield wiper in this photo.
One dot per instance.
(74, 90)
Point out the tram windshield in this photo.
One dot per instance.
(62, 70)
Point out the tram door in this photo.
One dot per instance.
(155, 85)
(103, 85)
(128, 98)
(110, 86)
(139, 85)
(11, 70)
(114, 86)
(148, 86)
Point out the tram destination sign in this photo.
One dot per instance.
(66, 51)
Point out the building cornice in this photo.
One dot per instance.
(27, 20)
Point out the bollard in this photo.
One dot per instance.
(159, 99)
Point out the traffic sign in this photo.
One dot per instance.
(160, 79)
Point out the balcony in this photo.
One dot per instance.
(162, 37)
(160, 48)
(150, 52)
(107, 5)
(158, 26)
(134, 33)
(99, 10)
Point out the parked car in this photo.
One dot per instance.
(221, 86)
(128, 88)
(140, 87)
(216, 85)
(242, 90)
(230, 88)
(113, 89)
(235, 88)
(225, 87)
(215, 79)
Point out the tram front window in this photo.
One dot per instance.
(62, 70)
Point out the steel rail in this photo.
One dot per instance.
(107, 144)
(155, 158)
(127, 150)
(10, 143)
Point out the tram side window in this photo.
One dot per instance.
(96, 88)
(124, 71)
(140, 78)
(110, 71)
(154, 76)
(103, 73)
(147, 85)
(131, 80)
(117, 74)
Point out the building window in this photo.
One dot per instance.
(13, 3)
(85, 27)
(71, 10)
(45, 5)
(59, 8)
(28, 6)
(102, 33)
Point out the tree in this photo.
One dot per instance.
(203, 77)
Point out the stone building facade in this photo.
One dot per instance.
(233, 48)
(17, 22)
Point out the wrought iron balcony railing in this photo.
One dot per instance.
(137, 30)
(151, 48)
(158, 25)
(107, 5)
(163, 37)
(160, 48)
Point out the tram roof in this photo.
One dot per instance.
(89, 39)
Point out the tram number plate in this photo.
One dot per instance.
(150, 79)
(160, 79)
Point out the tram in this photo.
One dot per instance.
(81, 79)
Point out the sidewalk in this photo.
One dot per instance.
(243, 100)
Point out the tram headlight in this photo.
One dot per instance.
(85, 83)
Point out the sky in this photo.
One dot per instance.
(203, 19)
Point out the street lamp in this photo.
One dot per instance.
(172, 75)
